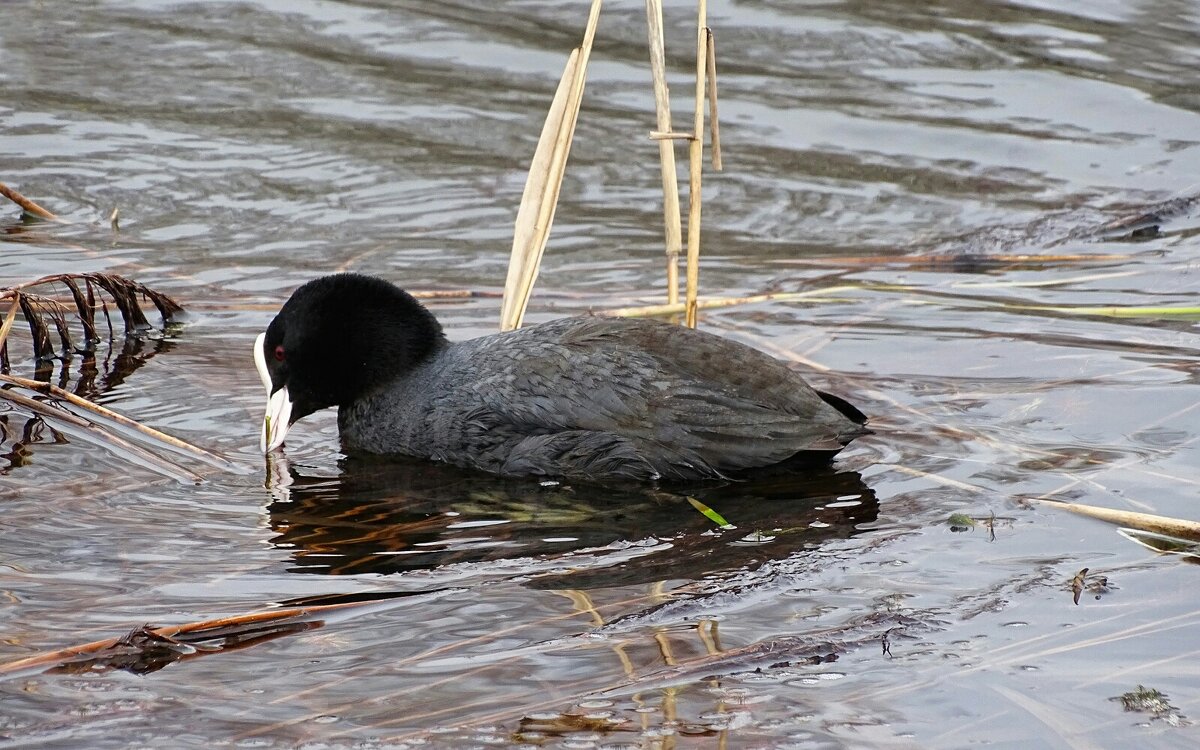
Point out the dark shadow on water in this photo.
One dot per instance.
(391, 516)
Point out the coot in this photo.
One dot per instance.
(591, 398)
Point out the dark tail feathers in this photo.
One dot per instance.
(849, 410)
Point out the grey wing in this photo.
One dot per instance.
(640, 399)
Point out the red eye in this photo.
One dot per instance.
(279, 353)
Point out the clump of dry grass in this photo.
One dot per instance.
(61, 325)
(50, 317)
(41, 312)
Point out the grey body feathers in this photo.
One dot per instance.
(599, 398)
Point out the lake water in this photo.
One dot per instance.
(911, 153)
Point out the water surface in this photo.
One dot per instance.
(906, 150)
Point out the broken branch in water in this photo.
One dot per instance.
(146, 649)
(27, 205)
(1176, 527)
(166, 440)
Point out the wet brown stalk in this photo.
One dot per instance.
(46, 389)
(27, 205)
(223, 627)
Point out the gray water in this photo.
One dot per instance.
(906, 150)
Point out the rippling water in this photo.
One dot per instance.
(906, 151)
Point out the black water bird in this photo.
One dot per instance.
(592, 398)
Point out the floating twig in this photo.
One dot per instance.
(1176, 527)
(101, 436)
(717, 302)
(1127, 311)
(27, 205)
(229, 629)
(169, 441)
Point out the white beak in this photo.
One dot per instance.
(279, 404)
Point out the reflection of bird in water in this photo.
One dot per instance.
(388, 516)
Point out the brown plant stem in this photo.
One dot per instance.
(696, 165)
(27, 205)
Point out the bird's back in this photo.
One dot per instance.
(602, 398)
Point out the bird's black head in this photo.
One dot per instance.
(335, 340)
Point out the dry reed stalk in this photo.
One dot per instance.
(542, 187)
(27, 205)
(1166, 311)
(696, 165)
(537, 206)
(52, 659)
(104, 437)
(53, 391)
(678, 307)
(6, 326)
(1014, 284)
(1176, 527)
(666, 147)
(419, 658)
(936, 478)
(714, 125)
